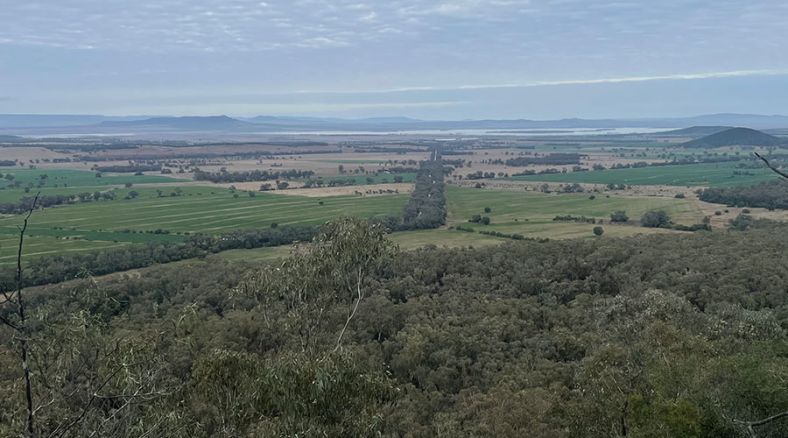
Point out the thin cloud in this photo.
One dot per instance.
(612, 80)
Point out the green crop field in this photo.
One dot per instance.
(36, 246)
(77, 178)
(707, 174)
(197, 209)
(66, 182)
(531, 213)
(93, 225)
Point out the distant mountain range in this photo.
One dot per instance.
(55, 120)
(209, 123)
(83, 124)
(736, 137)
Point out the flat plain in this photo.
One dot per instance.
(152, 207)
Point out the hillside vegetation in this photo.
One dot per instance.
(660, 336)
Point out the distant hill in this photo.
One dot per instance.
(55, 120)
(737, 137)
(189, 123)
(694, 131)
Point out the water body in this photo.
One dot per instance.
(484, 132)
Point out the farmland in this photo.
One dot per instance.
(76, 178)
(358, 181)
(155, 216)
(66, 182)
(531, 214)
(705, 174)
(36, 246)
(150, 217)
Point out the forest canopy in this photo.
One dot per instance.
(650, 336)
(771, 195)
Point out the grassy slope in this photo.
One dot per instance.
(710, 174)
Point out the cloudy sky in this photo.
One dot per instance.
(420, 58)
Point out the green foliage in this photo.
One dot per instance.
(742, 222)
(598, 231)
(241, 394)
(656, 219)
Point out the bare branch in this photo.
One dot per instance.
(24, 348)
(751, 425)
(359, 297)
(770, 166)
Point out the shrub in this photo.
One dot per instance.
(655, 219)
(619, 216)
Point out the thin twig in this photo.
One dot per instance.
(769, 165)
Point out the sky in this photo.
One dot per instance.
(431, 59)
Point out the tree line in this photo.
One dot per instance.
(62, 267)
(556, 159)
(26, 202)
(252, 175)
(426, 207)
(130, 168)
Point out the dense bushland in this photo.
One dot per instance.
(652, 336)
(771, 194)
